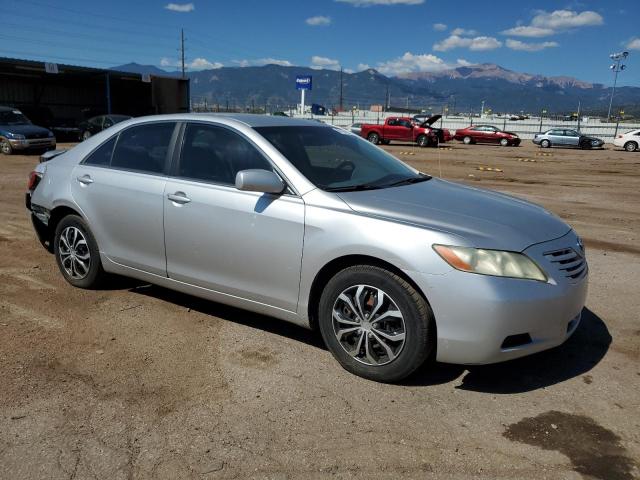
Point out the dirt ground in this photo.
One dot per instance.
(138, 382)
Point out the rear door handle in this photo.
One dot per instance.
(85, 179)
(179, 197)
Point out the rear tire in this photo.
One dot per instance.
(545, 143)
(374, 138)
(631, 146)
(77, 253)
(406, 328)
(5, 147)
(467, 140)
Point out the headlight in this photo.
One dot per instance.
(490, 262)
(15, 136)
(50, 134)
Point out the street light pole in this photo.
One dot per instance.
(617, 67)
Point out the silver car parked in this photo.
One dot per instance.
(311, 224)
(566, 137)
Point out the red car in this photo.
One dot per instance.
(403, 129)
(486, 134)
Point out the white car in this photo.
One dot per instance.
(630, 141)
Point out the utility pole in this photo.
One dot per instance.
(182, 50)
(482, 110)
(386, 99)
(617, 67)
(579, 114)
(340, 88)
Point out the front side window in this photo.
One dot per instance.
(216, 154)
(143, 147)
(333, 159)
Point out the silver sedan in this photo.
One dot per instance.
(311, 224)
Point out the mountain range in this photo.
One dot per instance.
(461, 89)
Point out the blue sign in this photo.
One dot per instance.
(303, 82)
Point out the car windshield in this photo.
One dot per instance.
(13, 117)
(336, 160)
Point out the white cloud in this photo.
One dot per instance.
(349, 70)
(462, 31)
(319, 63)
(263, 61)
(180, 7)
(475, 43)
(529, 47)
(565, 19)
(545, 23)
(363, 66)
(633, 44)
(368, 3)
(463, 63)
(439, 27)
(318, 21)
(196, 64)
(410, 62)
(528, 31)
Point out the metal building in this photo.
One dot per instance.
(76, 93)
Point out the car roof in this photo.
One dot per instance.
(249, 119)
(7, 109)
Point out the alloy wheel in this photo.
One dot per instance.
(368, 325)
(74, 253)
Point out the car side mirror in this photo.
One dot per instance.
(257, 180)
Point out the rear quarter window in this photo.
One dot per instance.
(102, 155)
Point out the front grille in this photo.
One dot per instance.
(35, 143)
(569, 262)
(37, 135)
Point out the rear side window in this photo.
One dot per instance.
(102, 155)
(143, 148)
(216, 154)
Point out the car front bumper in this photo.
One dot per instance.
(32, 143)
(481, 319)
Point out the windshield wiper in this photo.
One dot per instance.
(408, 181)
(353, 188)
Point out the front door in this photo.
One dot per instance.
(245, 244)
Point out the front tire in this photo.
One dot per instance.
(86, 135)
(545, 143)
(5, 147)
(504, 142)
(77, 253)
(375, 324)
(631, 146)
(374, 138)
(422, 141)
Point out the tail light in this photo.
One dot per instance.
(34, 180)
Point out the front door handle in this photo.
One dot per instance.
(179, 197)
(85, 179)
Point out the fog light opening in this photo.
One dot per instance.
(513, 341)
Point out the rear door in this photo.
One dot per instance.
(245, 244)
(120, 189)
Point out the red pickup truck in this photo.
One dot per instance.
(405, 129)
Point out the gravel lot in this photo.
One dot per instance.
(138, 382)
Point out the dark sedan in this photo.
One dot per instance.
(564, 137)
(486, 134)
(97, 124)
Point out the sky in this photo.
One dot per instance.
(573, 38)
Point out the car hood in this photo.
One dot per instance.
(24, 129)
(431, 120)
(484, 218)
